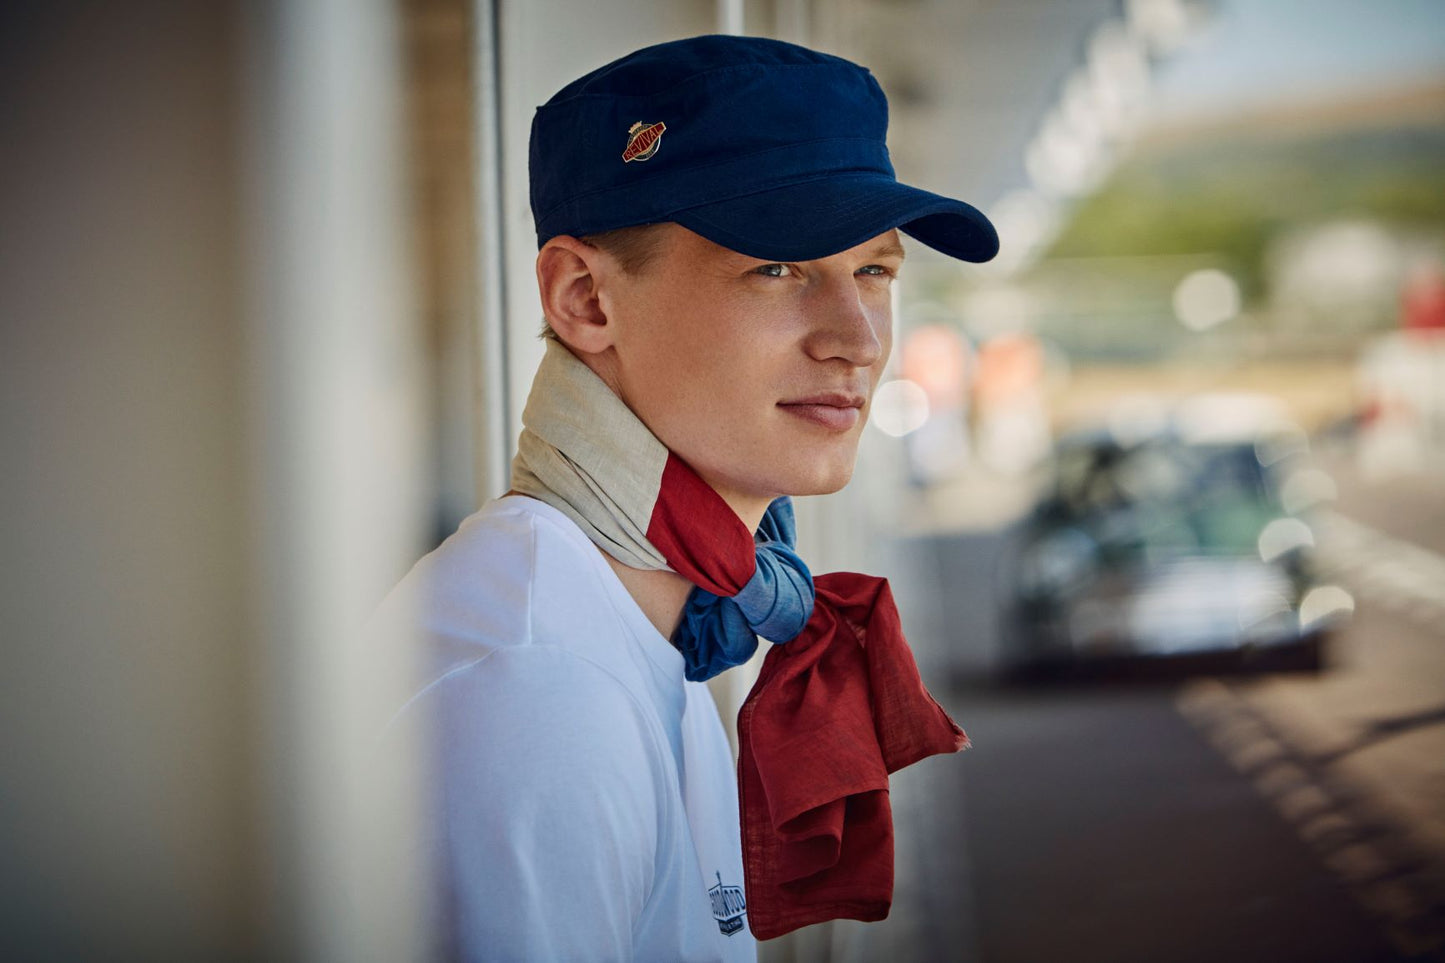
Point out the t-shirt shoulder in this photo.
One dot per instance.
(520, 573)
(480, 587)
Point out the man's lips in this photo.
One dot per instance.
(834, 410)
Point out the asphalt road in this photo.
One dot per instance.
(1289, 818)
(1100, 826)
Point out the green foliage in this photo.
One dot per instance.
(1233, 196)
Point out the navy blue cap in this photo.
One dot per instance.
(764, 147)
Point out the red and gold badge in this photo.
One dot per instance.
(642, 141)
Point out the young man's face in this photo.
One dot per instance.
(757, 374)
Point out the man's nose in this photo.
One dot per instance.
(845, 325)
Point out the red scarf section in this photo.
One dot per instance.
(832, 713)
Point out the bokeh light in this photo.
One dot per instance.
(1206, 298)
(900, 406)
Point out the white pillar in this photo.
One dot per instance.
(336, 403)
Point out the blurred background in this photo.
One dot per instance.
(1161, 489)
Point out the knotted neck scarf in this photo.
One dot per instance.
(838, 704)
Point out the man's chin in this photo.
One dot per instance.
(825, 483)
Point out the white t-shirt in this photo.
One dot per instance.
(585, 805)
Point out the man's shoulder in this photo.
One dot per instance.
(503, 533)
(518, 573)
(484, 583)
(516, 616)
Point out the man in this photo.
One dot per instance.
(719, 231)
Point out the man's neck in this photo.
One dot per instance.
(660, 594)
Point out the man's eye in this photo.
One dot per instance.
(875, 270)
(773, 270)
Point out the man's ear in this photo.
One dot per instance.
(568, 276)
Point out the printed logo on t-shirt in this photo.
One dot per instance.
(728, 906)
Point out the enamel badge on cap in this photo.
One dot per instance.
(642, 141)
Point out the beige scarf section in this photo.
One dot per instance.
(585, 453)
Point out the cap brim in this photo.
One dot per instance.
(817, 218)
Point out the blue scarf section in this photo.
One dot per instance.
(718, 632)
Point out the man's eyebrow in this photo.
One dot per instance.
(888, 249)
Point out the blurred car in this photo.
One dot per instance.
(1168, 550)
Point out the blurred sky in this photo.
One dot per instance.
(1254, 52)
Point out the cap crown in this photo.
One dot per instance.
(741, 115)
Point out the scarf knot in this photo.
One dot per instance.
(718, 632)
